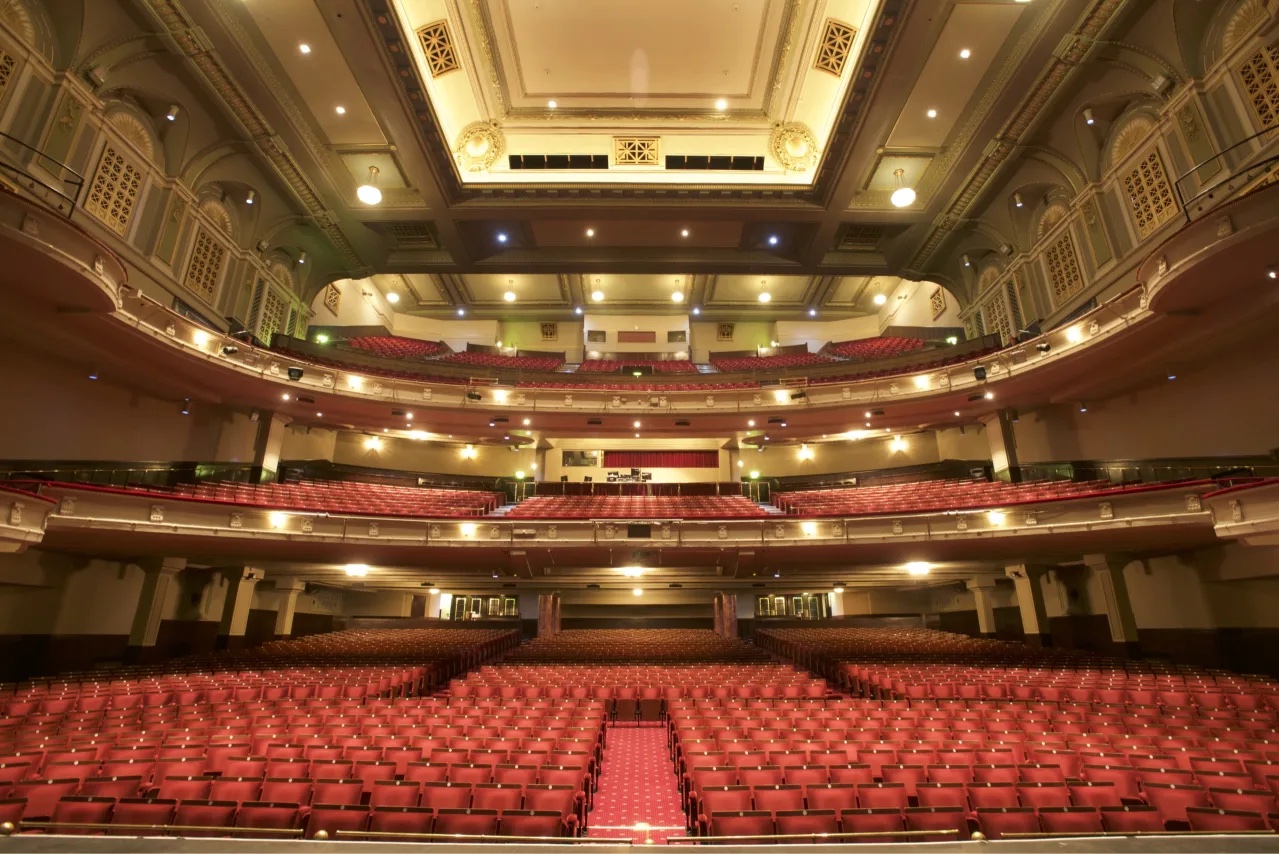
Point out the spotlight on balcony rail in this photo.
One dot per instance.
(172, 114)
(229, 349)
(1043, 346)
(295, 373)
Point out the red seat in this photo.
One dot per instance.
(466, 822)
(401, 819)
(213, 815)
(261, 815)
(42, 796)
(1040, 795)
(1172, 800)
(332, 818)
(533, 824)
(1131, 819)
(749, 823)
(798, 822)
(82, 810)
(994, 824)
(395, 793)
(439, 796)
(133, 816)
(878, 825)
(952, 820)
(336, 792)
(495, 796)
(882, 796)
(111, 787)
(1207, 819)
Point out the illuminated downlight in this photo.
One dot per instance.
(781, 395)
(918, 567)
(809, 528)
(368, 193)
(278, 519)
(354, 381)
(499, 395)
(200, 337)
(995, 517)
(357, 570)
(637, 591)
(922, 382)
(1074, 335)
(467, 529)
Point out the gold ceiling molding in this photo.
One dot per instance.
(194, 44)
(437, 47)
(479, 145)
(794, 146)
(834, 47)
(1133, 134)
(18, 18)
(1098, 17)
(1245, 19)
(131, 128)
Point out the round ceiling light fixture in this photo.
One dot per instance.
(677, 296)
(765, 297)
(721, 104)
(369, 193)
(597, 296)
(879, 299)
(509, 296)
(903, 196)
(392, 297)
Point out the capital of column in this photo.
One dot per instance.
(250, 574)
(1024, 571)
(290, 585)
(166, 567)
(984, 582)
(1105, 562)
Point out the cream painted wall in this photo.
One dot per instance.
(455, 333)
(66, 416)
(379, 603)
(308, 443)
(658, 324)
(967, 443)
(527, 335)
(409, 455)
(359, 304)
(747, 335)
(910, 304)
(818, 333)
(845, 455)
(1218, 409)
(858, 603)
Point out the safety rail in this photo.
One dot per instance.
(809, 837)
(466, 837)
(9, 828)
(1213, 194)
(34, 183)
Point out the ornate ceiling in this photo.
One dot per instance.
(638, 168)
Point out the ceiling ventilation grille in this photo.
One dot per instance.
(437, 44)
(833, 50)
(635, 151)
(719, 162)
(559, 161)
(861, 238)
(412, 235)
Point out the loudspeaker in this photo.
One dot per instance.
(295, 374)
(474, 395)
(979, 373)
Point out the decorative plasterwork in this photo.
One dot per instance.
(218, 215)
(1260, 77)
(1053, 214)
(332, 298)
(479, 145)
(793, 146)
(1094, 23)
(1130, 137)
(437, 45)
(938, 301)
(636, 150)
(835, 45)
(131, 128)
(18, 18)
(1249, 14)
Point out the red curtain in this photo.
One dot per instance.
(661, 459)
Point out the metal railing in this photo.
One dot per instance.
(61, 199)
(1232, 173)
(152, 475)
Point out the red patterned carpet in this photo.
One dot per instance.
(637, 785)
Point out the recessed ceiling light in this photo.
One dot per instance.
(340, 110)
(683, 232)
(501, 237)
(550, 105)
(509, 296)
(597, 296)
(932, 114)
(319, 415)
(1272, 274)
(461, 312)
(636, 425)
(879, 299)
(392, 297)
(965, 53)
(284, 396)
(812, 312)
(696, 310)
(772, 240)
(678, 296)
(990, 395)
(527, 422)
(304, 48)
(750, 423)
(637, 435)
(590, 232)
(577, 310)
(765, 296)
(721, 104)
(956, 413)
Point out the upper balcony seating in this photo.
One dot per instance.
(943, 359)
(637, 507)
(637, 387)
(570, 647)
(349, 497)
(870, 349)
(514, 363)
(335, 362)
(768, 363)
(931, 496)
(659, 366)
(395, 347)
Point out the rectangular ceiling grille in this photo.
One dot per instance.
(833, 50)
(114, 191)
(558, 161)
(204, 270)
(1260, 77)
(1063, 269)
(718, 162)
(437, 44)
(635, 151)
(1150, 194)
(412, 235)
(861, 238)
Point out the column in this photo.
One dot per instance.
(717, 611)
(288, 606)
(1003, 443)
(555, 613)
(983, 595)
(730, 615)
(159, 579)
(543, 615)
(1030, 599)
(241, 582)
(1109, 570)
(267, 445)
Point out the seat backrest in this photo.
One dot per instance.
(466, 822)
(82, 810)
(261, 814)
(1080, 819)
(401, 819)
(440, 796)
(205, 814)
(142, 811)
(334, 817)
(531, 823)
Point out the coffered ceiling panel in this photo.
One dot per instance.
(858, 292)
(673, 233)
(626, 289)
(724, 291)
(528, 289)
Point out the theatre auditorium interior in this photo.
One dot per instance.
(569, 423)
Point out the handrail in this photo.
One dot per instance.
(1113, 833)
(170, 828)
(861, 834)
(1229, 173)
(77, 181)
(471, 837)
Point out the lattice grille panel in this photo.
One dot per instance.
(7, 66)
(1064, 275)
(332, 298)
(995, 318)
(416, 235)
(437, 44)
(1017, 316)
(550, 332)
(938, 300)
(834, 48)
(1150, 194)
(205, 267)
(635, 151)
(275, 314)
(724, 332)
(1260, 77)
(861, 238)
(113, 193)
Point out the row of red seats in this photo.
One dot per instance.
(514, 363)
(646, 645)
(768, 363)
(933, 495)
(915, 366)
(612, 366)
(882, 347)
(395, 346)
(637, 507)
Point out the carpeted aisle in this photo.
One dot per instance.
(637, 785)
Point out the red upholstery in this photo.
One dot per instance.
(660, 366)
(870, 349)
(497, 360)
(768, 363)
(637, 507)
(395, 347)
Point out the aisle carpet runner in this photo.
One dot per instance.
(638, 797)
